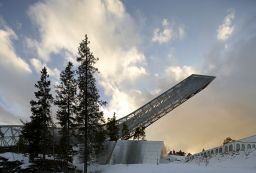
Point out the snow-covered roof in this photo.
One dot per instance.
(248, 139)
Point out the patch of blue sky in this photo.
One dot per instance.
(200, 19)
(15, 16)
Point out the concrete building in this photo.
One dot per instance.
(131, 152)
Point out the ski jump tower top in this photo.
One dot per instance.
(164, 103)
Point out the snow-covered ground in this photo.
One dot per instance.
(237, 160)
(230, 163)
(174, 158)
(14, 156)
(172, 167)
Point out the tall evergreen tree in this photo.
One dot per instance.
(125, 132)
(89, 116)
(66, 102)
(112, 129)
(36, 132)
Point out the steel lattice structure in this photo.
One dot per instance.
(164, 103)
(142, 117)
(9, 135)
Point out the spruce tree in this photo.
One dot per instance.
(112, 129)
(36, 132)
(66, 103)
(125, 132)
(89, 116)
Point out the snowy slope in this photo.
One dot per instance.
(241, 160)
(230, 163)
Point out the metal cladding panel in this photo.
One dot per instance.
(105, 155)
(136, 152)
(164, 103)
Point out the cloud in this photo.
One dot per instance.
(226, 29)
(116, 7)
(7, 118)
(163, 35)
(15, 78)
(124, 102)
(181, 32)
(180, 72)
(168, 32)
(113, 38)
(8, 57)
(38, 65)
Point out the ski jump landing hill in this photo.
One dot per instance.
(142, 117)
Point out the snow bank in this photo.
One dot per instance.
(14, 157)
(173, 158)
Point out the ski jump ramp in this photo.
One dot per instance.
(164, 103)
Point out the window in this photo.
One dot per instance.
(230, 147)
(237, 147)
(226, 149)
(220, 150)
(243, 147)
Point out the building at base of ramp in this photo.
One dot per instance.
(131, 152)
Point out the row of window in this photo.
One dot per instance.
(227, 148)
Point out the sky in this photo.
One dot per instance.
(144, 48)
